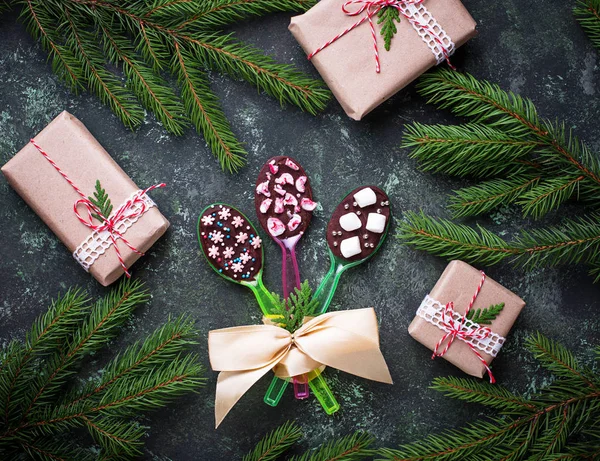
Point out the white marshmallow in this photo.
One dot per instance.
(350, 222)
(350, 247)
(376, 223)
(365, 197)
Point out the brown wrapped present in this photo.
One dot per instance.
(441, 326)
(358, 70)
(57, 171)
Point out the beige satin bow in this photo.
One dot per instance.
(346, 340)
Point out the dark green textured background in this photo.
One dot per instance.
(534, 48)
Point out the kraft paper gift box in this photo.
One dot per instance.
(79, 155)
(458, 284)
(348, 65)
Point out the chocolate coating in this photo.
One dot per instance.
(373, 239)
(230, 243)
(265, 175)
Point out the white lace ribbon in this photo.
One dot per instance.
(429, 29)
(430, 310)
(97, 243)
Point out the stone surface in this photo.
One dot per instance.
(534, 48)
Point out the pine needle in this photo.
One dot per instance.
(275, 443)
(86, 39)
(587, 13)
(520, 160)
(43, 400)
(547, 426)
(353, 447)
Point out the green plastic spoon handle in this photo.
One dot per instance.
(275, 391)
(263, 297)
(326, 290)
(319, 387)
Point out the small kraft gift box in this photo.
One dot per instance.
(344, 41)
(465, 318)
(57, 174)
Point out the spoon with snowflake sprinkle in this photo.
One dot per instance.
(234, 250)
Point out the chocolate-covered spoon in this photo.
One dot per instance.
(355, 232)
(234, 250)
(284, 206)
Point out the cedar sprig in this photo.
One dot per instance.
(587, 13)
(290, 313)
(558, 422)
(87, 39)
(388, 16)
(518, 159)
(44, 404)
(101, 200)
(485, 316)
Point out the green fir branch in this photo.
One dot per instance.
(543, 427)
(485, 316)
(453, 241)
(388, 16)
(547, 195)
(520, 159)
(218, 13)
(489, 195)
(353, 447)
(481, 101)
(275, 443)
(574, 241)
(587, 13)
(484, 394)
(86, 39)
(206, 113)
(45, 401)
(467, 150)
(283, 82)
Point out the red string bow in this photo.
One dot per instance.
(372, 7)
(455, 330)
(109, 223)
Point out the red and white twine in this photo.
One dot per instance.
(455, 330)
(109, 224)
(371, 8)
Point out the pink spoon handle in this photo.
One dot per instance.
(290, 279)
(290, 274)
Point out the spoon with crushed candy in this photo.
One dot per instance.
(284, 206)
(234, 250)
(355, 232)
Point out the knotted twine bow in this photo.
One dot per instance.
(127, 211)
(372, 7)
(346, 340)
(455, 330)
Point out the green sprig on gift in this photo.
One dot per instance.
(485, 316)
(101, 200)
(388, 17)
(290, 313)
